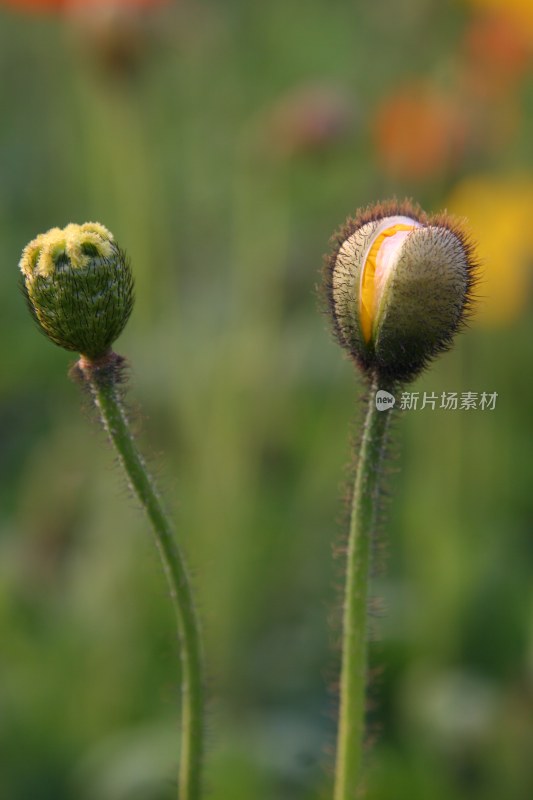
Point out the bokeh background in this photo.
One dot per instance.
(223, 143)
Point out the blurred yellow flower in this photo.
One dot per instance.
(499, 212)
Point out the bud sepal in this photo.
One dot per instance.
(79, 287)
(398, 285)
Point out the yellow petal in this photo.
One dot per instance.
(377, 262)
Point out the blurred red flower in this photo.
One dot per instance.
(66, 5)
(114, 34)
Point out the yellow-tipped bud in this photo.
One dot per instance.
(79, 287)
(399, 285)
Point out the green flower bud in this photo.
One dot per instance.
(399, 285)
(79, 287)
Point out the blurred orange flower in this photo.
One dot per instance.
(499, 213)
(519, 11)
(498, 53)
(419, 132)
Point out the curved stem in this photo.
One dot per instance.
(103, 380)
(351, 729)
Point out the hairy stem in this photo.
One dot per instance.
(103, 380)
(351, 729)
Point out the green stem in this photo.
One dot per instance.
(351, 729)
(103, 380)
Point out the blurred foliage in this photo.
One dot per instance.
(223, 143)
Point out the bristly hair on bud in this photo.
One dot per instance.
(79, 287)
(398, 285)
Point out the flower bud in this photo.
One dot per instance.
(79, 287)
(399, 285)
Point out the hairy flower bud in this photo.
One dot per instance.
(398, 285)
(79, 287)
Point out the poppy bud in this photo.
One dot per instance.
(79, 287)
(399, 284)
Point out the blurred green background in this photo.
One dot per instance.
(223, 143)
